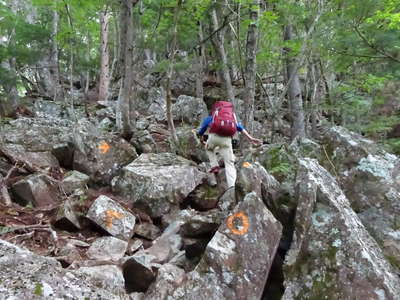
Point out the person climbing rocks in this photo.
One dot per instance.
(222, 126)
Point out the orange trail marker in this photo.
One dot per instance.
(246, 164)
(111, 215)
(104, 147)
(238, 230)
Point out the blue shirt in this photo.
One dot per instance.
(208, 120)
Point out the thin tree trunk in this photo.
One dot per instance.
(172, 51)
(4, 195)
(105, 56)
(220, 49)
(122, 40)
(54, 56)
(294, 90)
(116, 50)
(200, 66)
(251, 66)
(87, 58)
(125, 105)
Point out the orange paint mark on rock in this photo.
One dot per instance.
(246, 164)
(104, 147)
(238, 230)
(111, 215)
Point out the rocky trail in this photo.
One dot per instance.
(86, 214)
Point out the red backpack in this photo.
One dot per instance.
(224, 119)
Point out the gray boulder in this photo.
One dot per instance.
(36, 190)
(106, 276)
(157, 183)
(139, 272)
(37, 134)
(152, 102)
(66, 218)
(237, 260)
(24, 275)
(74, 180)
(189, 109)
(168, 278)
(107, 248)
(147, 230)
(370, 178)
(201, 224)
(332, 255)
(112, 217)
(99, 155)
(32, 160)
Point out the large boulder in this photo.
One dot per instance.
(189, 109)
(169, 276)
(152, 103)
(332, 255)
(237, 260)
(112, 217)
(345, 148)
(32, 160)
(37, 134)
(24, 275)
(157, 183)
(370, 178)
(107, 248)
(99, 155)
(190, 146)
(37, 190)
(252, 176)
(74, 180)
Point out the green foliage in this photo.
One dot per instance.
(278, 162)
(392, 145)
(38, 289)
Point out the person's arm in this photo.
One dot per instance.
(203, 128)
(253, 140)
(204, 124)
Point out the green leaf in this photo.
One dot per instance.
(38, 289)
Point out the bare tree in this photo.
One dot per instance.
(125, 99)
(172, 51)
(251, 66)
(105, 55)
(48, 65)
(218, 42)
(200, 65)
(294, 89)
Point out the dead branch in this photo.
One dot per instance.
(3, 186)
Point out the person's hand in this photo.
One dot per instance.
(255, 141)
(202, 140)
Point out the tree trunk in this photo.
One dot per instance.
(57, 92)
(116, 49)
(125, 105)
(200, 65)
(170, 70)
(222, 57)
(294, 90)
(105, 56)
(251, 67)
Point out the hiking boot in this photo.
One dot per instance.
(215, 170)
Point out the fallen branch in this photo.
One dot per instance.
(3, 186)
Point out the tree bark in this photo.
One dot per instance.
(57, 92)
(222, 57)
(125, 100)
(251, 66)
(294, 90)
(105, 56)
(170, 70)
(200, 65)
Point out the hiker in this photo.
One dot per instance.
(222, 125)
